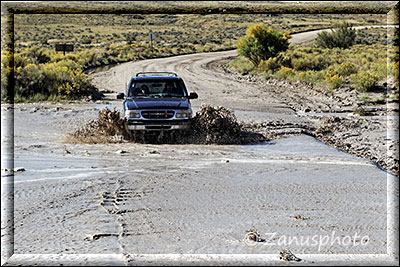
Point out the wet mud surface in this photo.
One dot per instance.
(120, 200)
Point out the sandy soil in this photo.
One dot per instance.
(134, 203)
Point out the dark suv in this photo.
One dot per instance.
(156, 101)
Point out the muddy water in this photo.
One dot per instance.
(186, 198)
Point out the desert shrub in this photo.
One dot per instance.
(87, 40)
(37, 55)
(335, 80)
(64, 79)
(29, 80)
(364, 81)
(208, 47)
(311, 76)
(342, 36)
(346, 69)
(6, 70)
(72, 57)
(285, 73)
(310, 62)
(261, 43)
(272, 64)
(241, 64)
(336, 74)
(324, 66)
(20, 60)
(130, 38)
(333, 77)
(275, 63)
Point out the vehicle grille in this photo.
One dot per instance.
(162, 114)
(161, 127)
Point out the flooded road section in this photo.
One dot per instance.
(140, 203)
(190, 199)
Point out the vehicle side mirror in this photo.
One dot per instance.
(120, 96)
(193, 96)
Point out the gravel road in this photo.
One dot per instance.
(141, 203)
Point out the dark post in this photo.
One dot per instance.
(151, 40)
(152, 36)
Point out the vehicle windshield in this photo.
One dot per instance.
(158, 88)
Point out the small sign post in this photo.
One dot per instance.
(64, 48)
(152, 36)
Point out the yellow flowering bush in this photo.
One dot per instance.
(285, 73)
(364, 80)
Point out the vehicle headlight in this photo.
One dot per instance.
(132, 114)
(183, 114)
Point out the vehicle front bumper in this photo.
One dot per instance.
(156, 125)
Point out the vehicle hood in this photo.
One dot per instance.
(157, 103)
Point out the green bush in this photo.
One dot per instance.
(285, 73)
(310, 62)
(342, 36)
(37, 55)
(272, 64)
(64, 79)
(335, 80)
(241, 64)
(334, 67)
(314, 77)
(86, 40)
(275, 63)
(262, 43)
(130, 38)
(364, 81)
(346, 69)
(336, 74)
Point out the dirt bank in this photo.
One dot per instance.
(363, 137)
(365, 129)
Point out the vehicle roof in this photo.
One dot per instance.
(156, 77)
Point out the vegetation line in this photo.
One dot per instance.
(205, 7)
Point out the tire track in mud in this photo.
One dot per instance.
(134, 219)
(60, 206)
(140, 206)
(110, 201)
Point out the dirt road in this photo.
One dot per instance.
(135, 203)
